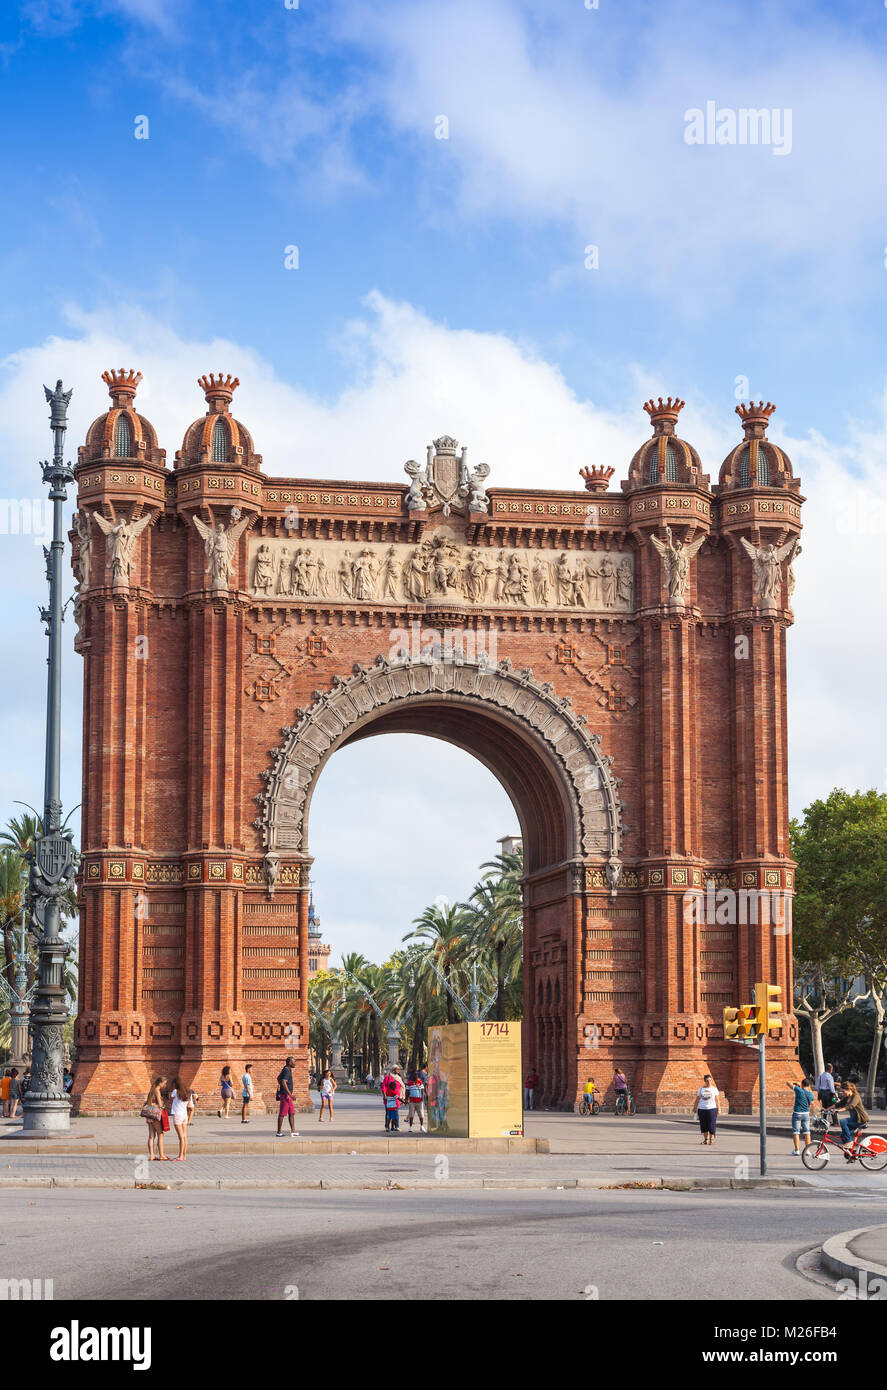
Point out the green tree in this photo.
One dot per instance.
(840, 912)
(495, 916)
(444, 928)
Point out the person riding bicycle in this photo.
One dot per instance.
(850, 1100)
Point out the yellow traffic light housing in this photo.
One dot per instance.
(768, 1007)
(731, 1027)
(745, 1023)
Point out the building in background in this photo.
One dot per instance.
(510, 844)
(318, 952)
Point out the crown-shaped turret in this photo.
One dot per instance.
(122, 385)
(597, 478)
(756, 461)
(121, 433)
(664, 413)
(755, 418)
(219, 390)
(218, 437)
(664, 458)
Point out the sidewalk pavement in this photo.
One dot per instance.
(559, 1149)
(358, 1124)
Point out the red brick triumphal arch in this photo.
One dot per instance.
(617, 659)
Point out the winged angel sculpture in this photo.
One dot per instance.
(220, 544)
(676, 556)
(120, 545)
(767, 568)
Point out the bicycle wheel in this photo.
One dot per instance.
(815, 1157)
(620, 1105)
(632, 1108)
(595, 1107)
(874, 1160)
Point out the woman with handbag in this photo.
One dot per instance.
(152, 1113)
(227, 1086)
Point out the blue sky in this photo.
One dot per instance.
(442, 283)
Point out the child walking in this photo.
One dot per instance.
(328, 1089)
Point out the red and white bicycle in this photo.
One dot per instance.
(869, 1149)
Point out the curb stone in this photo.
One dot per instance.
(838, 1257)
(175, 1184)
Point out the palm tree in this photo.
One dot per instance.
(495, 913)
(445, 929)
(12, 889)
(355, 1015)
(323, 995)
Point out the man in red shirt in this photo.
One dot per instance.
(531, 1081)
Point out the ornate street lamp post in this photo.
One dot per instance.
(53, 859)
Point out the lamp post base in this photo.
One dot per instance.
(49, 1116)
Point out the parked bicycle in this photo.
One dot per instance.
(869, 1149)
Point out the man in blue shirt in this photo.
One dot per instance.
(825, 1085)
(804, 1097)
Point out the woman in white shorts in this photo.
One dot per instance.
(327, 1091)
(178, 1113)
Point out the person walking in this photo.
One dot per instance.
(227, 1086)
(287, 1110)
(15, 1092)
(4, 1092)
(246, 1094)
(804, 1098)
(416, 1100)
(850, 1100)
(531, 1081)
(825, 1087)
(328, 1089)
(178, 1113)
(152, 1113)
(369, 1080)
(705, 1107)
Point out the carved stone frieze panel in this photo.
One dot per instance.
(440, 570)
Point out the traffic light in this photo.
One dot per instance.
(739, 1024)
(746, 1021)
(768, 1007)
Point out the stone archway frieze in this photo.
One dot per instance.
(585, 771)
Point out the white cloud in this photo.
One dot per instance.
(575, 120)
(408, 380)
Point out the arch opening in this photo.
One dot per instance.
(554, 772)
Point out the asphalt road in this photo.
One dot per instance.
(446, 1245)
